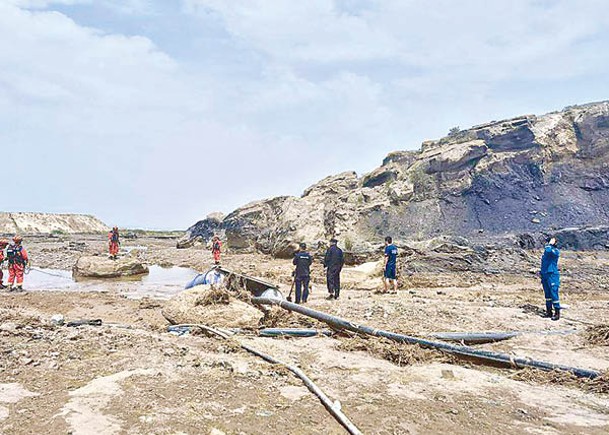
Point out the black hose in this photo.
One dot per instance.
(461, 351)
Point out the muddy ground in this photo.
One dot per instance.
(130, 376)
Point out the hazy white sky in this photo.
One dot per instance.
(153, 113)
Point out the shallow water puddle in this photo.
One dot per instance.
(160, 282)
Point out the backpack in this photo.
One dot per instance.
(14, 255)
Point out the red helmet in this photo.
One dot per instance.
(17, 239)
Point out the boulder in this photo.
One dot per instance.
(193, 306)
(480, 183)
(104, 267)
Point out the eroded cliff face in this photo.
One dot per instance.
(529, 175)
(46, 223)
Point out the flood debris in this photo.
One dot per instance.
(599, 385)
(597, 335)
(213, 305)
(399, 354)
(466, 352)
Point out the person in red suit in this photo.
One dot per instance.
(17, 262)
(216, 249)
(113, 242)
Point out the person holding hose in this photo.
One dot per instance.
(550, 278)
(18, 260)
(302, 274)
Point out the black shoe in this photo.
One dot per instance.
(330, 297)
(556, 315)
(2, 286)
(548, 314)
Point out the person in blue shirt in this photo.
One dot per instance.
(302, 274)
(550, 278)
(389, 275)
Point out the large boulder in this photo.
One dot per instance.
(526, 175)
(203, 231)
(91, 266)
(200, 305)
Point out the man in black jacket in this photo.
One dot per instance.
(302, 274)
(333, 263)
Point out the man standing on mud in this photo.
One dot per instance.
(302, 274)
(17, 262)
(113, 242)
(333, 263)
(550, 278)
(389, 275)
(216, 249)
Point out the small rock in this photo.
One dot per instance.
(448, 374)
(57, 320)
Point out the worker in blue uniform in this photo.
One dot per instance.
(302, 274)
(550, 278)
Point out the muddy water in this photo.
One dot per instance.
(160, 282)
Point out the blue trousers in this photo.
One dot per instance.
(302, 288)
(551, 284)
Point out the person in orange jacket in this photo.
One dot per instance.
(3, 245)
(17, 262)
(113, 242)
(216, 249)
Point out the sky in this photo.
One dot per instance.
(154, 113)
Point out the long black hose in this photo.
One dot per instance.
(461, 351)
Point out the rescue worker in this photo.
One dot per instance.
(17, 262)
(302, 274)
(333, 263)
(113, 242)
(389, 274)
(550, 278)
(216, 249)
(3, 245)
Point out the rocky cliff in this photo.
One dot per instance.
(46, 223)
(521, 178)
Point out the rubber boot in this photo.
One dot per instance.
(549, 314)
(556, 315)
(19, 289)
(336, 293)
(330, 297)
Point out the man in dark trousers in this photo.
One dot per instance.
(389, 275)
(302, 274)
(550, 278)
(333, 263)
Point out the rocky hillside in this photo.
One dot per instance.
(521, 179)
(46, 223)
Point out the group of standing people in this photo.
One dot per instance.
(17, 258)
(334, 260)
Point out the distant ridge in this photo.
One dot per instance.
(46, 223)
